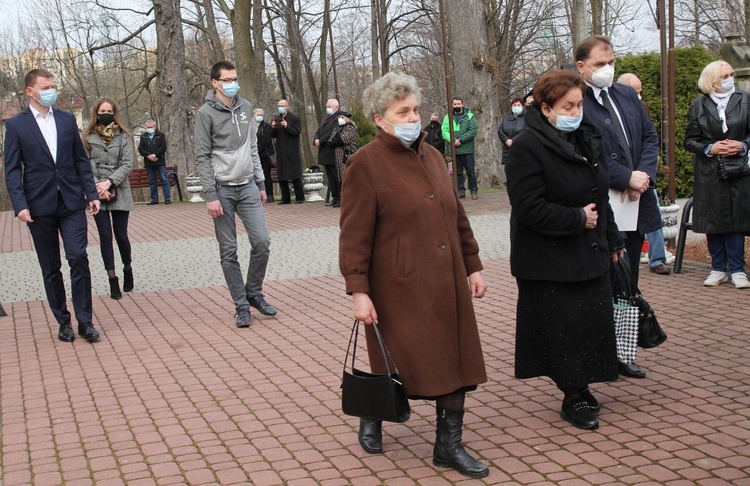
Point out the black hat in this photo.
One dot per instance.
(345, 113)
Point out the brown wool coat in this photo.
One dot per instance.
(405, 239)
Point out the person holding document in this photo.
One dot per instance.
(563, 236)
(630, 146)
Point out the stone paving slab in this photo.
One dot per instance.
(175, 394)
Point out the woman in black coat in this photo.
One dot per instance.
(511, 126)
(719, 125)
(563, 237)
(265, 150)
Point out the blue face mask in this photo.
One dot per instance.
(330, 111)
(282, 110)
(727, 85)
(517, 110)
(230, 89)
(406, 132)
(150, 131)
(566, 123)
(47, 97)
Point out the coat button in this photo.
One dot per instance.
(595, 246)
(614, 155)
(595, 191)
(441, 246)
(430, 196)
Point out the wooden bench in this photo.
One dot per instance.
(139, 178)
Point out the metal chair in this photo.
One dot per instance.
(685, 225)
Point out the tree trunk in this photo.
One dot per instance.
(243, 49)
(215, 49)
(374, 45)
(596, 17)
(297, 88)
(261, 80)
(474, 64)
(172, 95)
(579, 27)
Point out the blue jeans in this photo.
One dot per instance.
(656, 254)
(727, 251)
(466, 162)
(153, 170)
(244, 201)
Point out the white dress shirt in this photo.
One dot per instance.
(48, 128)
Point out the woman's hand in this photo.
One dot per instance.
(727, 148)
(509, 142)
(103, 186)
(477, 285)
(364, 310)
(591, 215)
(616, 255)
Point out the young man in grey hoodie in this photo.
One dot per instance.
(226, 153)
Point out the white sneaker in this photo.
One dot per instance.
(715, 278)
(739, 279)
(670, 257)
(644, 257)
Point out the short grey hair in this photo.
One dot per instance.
(150, 122)
(258, 110)
(711, 74)
(393, 86)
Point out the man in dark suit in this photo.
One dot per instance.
(629, 142)
(152, 147)
(50, 184)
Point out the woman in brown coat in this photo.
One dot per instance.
(411, 263)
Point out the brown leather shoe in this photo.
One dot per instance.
(661, 269)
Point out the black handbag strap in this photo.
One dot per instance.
(383, 348)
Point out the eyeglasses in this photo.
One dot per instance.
(228, 80)
(727, 76)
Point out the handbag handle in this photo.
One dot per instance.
(383, 348)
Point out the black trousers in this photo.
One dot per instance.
(299, 192)
(633, 246)
(46, 232)
(334, 184)
(265, 162)
(119, 224)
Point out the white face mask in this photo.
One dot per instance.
(603, 77)
(406, 132)
(342, 122)
(259, 119)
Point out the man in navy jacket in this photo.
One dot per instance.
(629, 142)
(50, 184)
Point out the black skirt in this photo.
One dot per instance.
(566, 331)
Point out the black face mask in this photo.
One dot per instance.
(105, 118)
(457, 110)
(434, 122)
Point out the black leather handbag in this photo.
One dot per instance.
(733, 167)
(371, 396)
(650, 333)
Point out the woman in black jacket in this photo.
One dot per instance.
(563, 236)
(511, 126)
(265, 150)
(719, 125)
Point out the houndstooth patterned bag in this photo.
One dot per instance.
(626, 329)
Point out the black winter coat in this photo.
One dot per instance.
(265, 143)
(550, 180)
(719, 206)
(435, 136)
(509, 128)
(156, 145)
(288, 158)
(326, 154)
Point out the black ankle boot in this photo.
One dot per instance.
(448, 451)
(371, 435)
(127, 280)
(114, 288)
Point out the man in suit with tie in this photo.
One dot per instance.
(629, 143)
(50, 184)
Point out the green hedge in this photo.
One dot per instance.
(689, 62)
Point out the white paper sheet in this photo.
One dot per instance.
(626, 213)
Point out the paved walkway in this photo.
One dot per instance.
(175, 394)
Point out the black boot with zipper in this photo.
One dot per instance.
(448, 451)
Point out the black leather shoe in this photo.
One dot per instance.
(87, 332)
(631, 370)
(152, 203)
(660, 269)
(578, 413)
(371, 435)
(243, 317)
(337, 204)
(299, 202)
(270, 199)
(284, 202)
(263, 307)
(66, 333)
(330, 203)
(590, 399)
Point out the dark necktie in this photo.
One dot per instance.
(618, 127)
